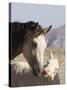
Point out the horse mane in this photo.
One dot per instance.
(19, 33)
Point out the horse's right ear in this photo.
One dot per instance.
(47, 29)
(51, 56)
(60, 61)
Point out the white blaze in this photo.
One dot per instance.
(41, 45)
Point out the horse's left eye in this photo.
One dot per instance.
(34, 44)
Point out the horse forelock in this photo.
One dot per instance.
(32, 29)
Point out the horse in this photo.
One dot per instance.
(28, 38)
(52, 66)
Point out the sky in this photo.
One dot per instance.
(44, 14)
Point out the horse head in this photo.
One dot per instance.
(34, 45)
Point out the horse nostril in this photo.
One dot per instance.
(34, 44)
(38, 70)
(44, 72)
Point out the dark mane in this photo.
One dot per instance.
(18, 32)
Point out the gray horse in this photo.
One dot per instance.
(28, 38)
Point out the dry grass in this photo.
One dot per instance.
(31, 80)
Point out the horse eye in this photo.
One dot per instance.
(34, 44)
(55, 70)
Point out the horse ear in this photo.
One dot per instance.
(34, 25)
(47, 29)
(60, 61)
(51, 56)
(37, 23)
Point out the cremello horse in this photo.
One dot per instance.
(52, 66)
